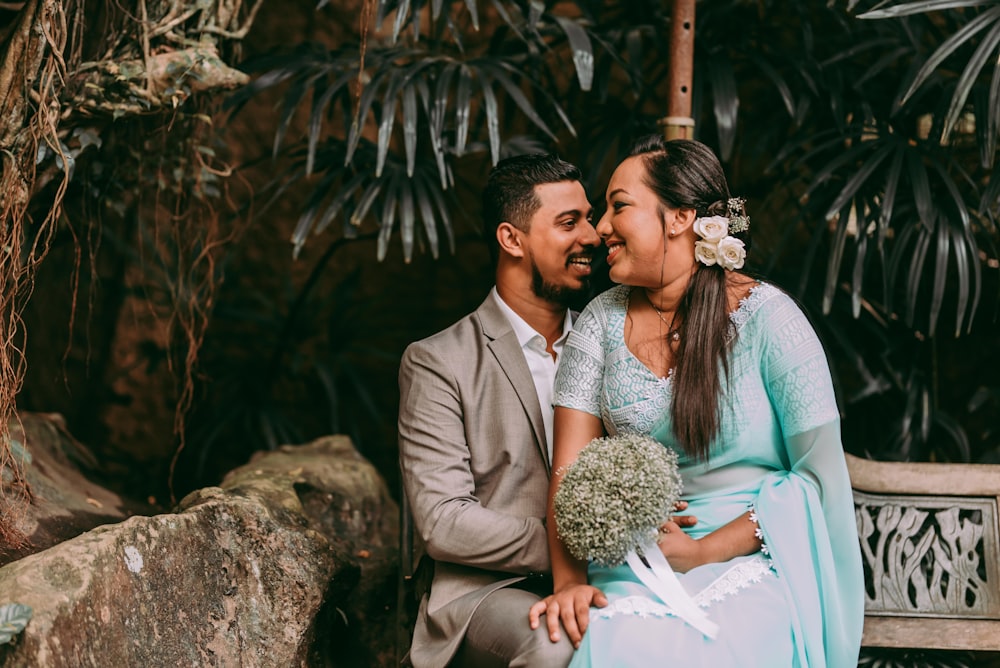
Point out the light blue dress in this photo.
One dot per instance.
(798, 602)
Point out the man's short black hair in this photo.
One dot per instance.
(509, 195)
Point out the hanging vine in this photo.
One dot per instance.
(70, 72)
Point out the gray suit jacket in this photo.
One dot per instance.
(475, 470)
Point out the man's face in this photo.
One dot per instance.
(560, 242)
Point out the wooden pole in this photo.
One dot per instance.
(678, 123)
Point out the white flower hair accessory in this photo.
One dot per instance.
(717, 245)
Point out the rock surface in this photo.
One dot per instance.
(65, 503)
(280, 565)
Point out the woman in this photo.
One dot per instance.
(728, 372)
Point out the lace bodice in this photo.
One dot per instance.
(779, 384)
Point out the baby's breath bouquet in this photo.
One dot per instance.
(609, 508)
(614, 497)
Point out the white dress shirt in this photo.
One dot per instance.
(541, 364)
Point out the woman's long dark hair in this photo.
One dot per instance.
(685, 174)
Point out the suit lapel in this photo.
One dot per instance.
(502, 342)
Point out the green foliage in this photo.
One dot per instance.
(863, 134)
(13, 618)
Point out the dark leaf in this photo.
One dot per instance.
(462, 103)
(293, 98)
(442, 208)
(519, 98)
(366, 201)
(916, 273)
(388, 119)
(320, 103)
(837, 254)
(942, 251)
(535, 10)
(473, 13)
(984, 53)
(402, 11)
(406, 218)
(410, 127)
(777, 79)
(858, 274)
(889, 195)
(338, 202)
(910, 8)
(954, 430)
(921, 189)
(901, 250)
(962, 274)
(992, 114)
(725, 99)
(358, 120)
(956, 195)
(583, 52)
(508, 19)
(308, 216)
(860, 177)
(492, 117)
(420, 187)
(882, 64)
(390, 202)
(948, 47)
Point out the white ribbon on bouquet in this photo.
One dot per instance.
(660, 578)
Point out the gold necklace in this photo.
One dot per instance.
(673, 334)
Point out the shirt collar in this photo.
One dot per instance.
(525, 332)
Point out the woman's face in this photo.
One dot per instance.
(649, 245)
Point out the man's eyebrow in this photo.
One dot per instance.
(576, 213)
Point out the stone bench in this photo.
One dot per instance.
(931, 550)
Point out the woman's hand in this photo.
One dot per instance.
(737, 538)
(571, 606)
(683, 520)
(681, 550)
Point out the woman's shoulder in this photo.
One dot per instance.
(612, 299)
(766, 303)
(617, 294)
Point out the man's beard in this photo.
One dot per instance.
(556, 294)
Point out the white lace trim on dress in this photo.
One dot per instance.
(740, 576)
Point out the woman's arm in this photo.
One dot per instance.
(735, 539)
(572, 596)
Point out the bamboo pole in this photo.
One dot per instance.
(678, 123)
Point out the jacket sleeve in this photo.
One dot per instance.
(437, 475)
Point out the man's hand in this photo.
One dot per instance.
(571, 606)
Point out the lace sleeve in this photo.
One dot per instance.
(581, 364)
(795, 369)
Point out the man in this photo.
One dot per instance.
(475, 426)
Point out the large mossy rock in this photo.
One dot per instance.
(278, 566)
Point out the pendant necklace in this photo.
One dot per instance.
(673, 334)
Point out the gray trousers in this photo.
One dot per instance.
(499, 635)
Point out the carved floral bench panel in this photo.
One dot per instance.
(931, 548)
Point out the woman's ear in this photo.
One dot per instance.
(509, 239)
(682, 222)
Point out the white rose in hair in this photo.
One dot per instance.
(705, 252)
(730, 253)
(712, 228)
